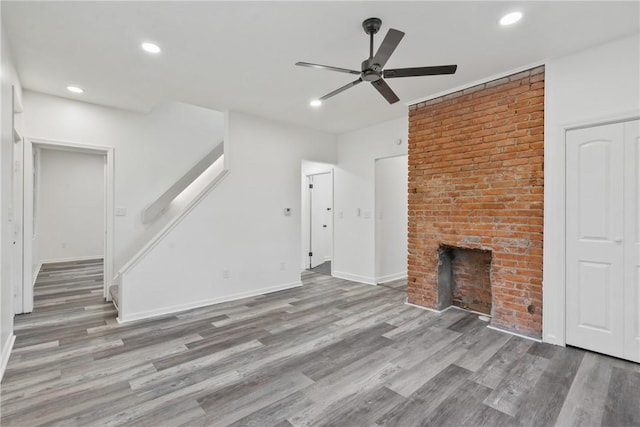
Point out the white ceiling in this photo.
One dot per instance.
(240, 55)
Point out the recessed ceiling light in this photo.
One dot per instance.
(75, 89)
(151, 47)
(315, 103)
(510, 18)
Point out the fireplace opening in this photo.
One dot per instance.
(464, 278)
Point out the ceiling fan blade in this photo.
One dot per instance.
(420, 71)
(389, 44)
(327, 67)
(384, 89)
(340, 89)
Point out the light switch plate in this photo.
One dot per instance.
(121, 211)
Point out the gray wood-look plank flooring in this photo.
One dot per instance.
(332, 352)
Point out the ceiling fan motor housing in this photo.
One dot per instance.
(371, 71)
(371, 25)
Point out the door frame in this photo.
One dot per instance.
(29, 232)
(309, 223)
(554, 223)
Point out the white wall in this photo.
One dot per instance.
(597, 85)
(354, 236)
(9, 78)
(152, 150)
(391, 178)
(70, 214)
(239, 228)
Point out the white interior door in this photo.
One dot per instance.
(321, 190)
(602, 296)
(632, 241)
(594, 239)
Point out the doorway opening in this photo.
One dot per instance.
(51, 208)
(319, 256)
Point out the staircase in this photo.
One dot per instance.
(168, 210)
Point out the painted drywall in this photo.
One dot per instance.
(70, 206)
(354, 196)
(152, 150)
(237, 241)
(391, 177)
(598, 85)
(7, 225)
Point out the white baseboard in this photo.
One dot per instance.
(203, 303)
(80, 258)
(391, 277)
(6, 353)
(355, 278)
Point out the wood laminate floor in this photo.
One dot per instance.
(332, 352)
(324, 268)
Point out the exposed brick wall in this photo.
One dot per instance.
(476, 181)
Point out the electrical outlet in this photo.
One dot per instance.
(226, 274)
(283, 266)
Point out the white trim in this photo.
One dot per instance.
(514, 333)
(203, 303)
(554, 232)
(172, 224)
(392, 277)
(478, 82)
(6, 353)
(109, 183)
(354, 277)
(71, 259)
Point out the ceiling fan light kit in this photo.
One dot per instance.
(372, 68)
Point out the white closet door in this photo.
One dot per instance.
(632, 241)
(594, 240)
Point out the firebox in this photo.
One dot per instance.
(464, 278)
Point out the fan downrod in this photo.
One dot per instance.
(371, 25)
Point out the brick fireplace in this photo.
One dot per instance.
(476, 187)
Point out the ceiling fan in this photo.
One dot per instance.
(373, 68)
